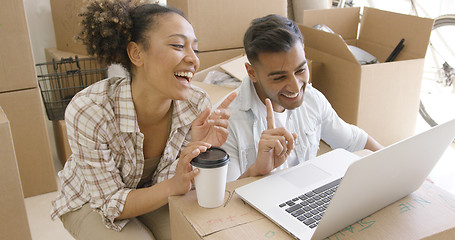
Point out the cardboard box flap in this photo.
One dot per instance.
(216, 93)
(200, 75)
(236, 68)
(3, 119)
(207, 221)
(343, 21)
(260, 229)
(381, 27)
(327, 42)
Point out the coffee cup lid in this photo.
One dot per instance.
(212, 158)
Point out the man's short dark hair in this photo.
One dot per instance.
(272, 33)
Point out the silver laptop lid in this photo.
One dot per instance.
(377, 180)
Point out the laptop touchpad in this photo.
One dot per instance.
(305, 175)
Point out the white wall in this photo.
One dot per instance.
(42, 36)
(40, 26)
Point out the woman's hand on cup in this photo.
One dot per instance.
(184, 172)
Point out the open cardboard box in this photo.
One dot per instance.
(428, 213)
(236, 69)
(216, 92)
(378, 96)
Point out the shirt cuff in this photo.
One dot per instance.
(113, 209)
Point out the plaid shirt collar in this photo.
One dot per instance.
(128, 121)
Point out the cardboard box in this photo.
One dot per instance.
(375, 96)
(31, 140)
(16, 64)
(299, 6)
(15, 224)
(61, 141)
(210, 58)
(66, 24)
(428, 213)
(221, 24)
(54, 53)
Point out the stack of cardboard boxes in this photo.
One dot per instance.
(21, 101)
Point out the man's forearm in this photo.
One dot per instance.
(372, 144)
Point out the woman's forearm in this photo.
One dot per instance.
(144, 200)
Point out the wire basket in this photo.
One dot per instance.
(60, 80)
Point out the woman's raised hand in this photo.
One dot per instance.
(213, 128)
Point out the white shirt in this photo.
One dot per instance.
(282, 120)
(314, 120)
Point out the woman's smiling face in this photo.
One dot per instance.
(170, 60)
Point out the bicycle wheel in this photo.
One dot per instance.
(438, 93)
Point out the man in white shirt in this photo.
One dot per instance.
(278, 119)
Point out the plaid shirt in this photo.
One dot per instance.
(107, 146)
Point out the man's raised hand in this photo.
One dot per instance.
(274, 147)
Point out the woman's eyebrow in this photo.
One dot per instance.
(181, 36)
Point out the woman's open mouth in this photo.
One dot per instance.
(184, 77)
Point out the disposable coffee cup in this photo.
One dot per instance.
(211, 181)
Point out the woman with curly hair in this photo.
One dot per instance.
(132, 138)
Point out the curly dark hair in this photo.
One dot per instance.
(109, 25)
(272, 33)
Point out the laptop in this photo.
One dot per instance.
(319, 197)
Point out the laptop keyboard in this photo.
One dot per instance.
(309, 207)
